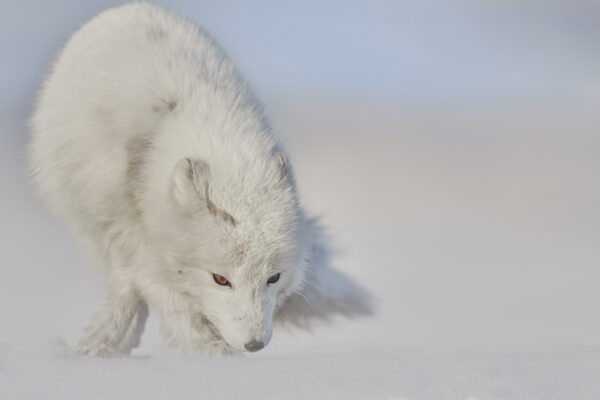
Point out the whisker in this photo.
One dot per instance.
(307, 301)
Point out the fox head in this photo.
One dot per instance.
(238, 247)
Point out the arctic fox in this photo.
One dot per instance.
(149, 145)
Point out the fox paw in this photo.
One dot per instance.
(101, 350)
(219, 349)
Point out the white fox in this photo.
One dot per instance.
(152, 149)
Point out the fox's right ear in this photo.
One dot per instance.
(189, 182)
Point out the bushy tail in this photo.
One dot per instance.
(326, 291)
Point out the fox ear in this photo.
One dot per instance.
(283, 164)
(190, 188)
(190, 182)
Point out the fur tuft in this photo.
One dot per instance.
(325, 292)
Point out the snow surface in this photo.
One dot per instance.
(481, 252)
(394, 376)
(456, 168)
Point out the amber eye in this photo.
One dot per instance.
(221, 280)
(273, 279)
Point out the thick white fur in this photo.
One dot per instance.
(152, 149)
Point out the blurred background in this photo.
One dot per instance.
(452, 148)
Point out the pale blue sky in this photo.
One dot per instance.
(421, 51)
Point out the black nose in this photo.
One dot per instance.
(254, 345)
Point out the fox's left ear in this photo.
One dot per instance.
(190, 188)
(190, 182)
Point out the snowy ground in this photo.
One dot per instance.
(455, 162)
(395, 376)
(481, 251)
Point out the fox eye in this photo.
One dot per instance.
(221, 280)
(273, 279)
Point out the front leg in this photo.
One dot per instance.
(132, 337)
(110, 325)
